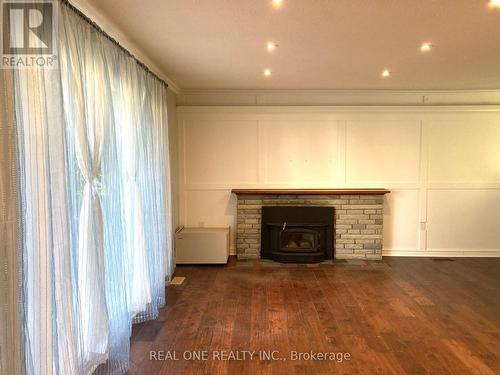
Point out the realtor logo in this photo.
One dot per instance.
(28, 34)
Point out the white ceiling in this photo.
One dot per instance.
(323, 44)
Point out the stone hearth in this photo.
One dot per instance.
(358, 229)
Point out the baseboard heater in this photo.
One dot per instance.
(202, 245)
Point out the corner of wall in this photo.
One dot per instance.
(173, 153)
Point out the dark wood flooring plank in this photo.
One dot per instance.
(406, 315)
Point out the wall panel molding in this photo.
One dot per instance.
(407, 207)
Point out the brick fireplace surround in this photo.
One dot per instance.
(358, 218)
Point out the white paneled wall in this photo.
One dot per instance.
(441, 163)
(464, 149)
(463, 219)
(294, 152)
(390, 145)
(208, 144)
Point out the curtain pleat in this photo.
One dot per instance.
(95, 193)
(10, 308)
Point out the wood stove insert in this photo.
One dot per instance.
(297, 234)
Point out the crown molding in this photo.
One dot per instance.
(288, 110)
(264, 98)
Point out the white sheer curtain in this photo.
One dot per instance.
(139, 286)
(47, 291)
(83, 81)
(95, 193)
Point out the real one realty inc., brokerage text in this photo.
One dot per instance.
(246, 355)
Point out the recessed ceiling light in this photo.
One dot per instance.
(386, 73)
(494, 4)
(277, 3)
(271, 46)
(267, 72)
(426, 47)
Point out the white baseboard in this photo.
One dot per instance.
(442, 252)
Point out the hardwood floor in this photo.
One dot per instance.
(399, 316)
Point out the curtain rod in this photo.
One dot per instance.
(110, 38)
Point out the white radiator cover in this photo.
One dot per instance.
(202, 246)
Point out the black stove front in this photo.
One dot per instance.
(297, 234)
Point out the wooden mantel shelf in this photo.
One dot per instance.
(310, 191)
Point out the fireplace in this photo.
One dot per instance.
(357, 231)
(297, 234)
